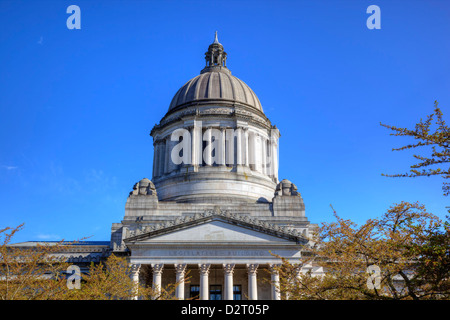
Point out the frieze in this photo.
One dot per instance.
(217, 253)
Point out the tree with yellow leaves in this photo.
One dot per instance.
(40, 273)
(435, 164)
(34, 273)
(398, 247)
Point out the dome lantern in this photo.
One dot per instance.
(216, 57)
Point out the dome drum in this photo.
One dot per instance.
(227, 145)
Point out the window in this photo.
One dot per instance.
(237, 292)
(215, 292)
(195, 292)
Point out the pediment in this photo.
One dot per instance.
(217, 227)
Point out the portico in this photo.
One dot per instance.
(218, 282)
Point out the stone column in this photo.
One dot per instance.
(180, 270)
(270, 159)
(207, 153)
(157, 275)
(274, 135)
(263, 155)
(155, 157)
(245, 153)
(223, 139)
(194, 146)
(252, 285)
(167, 154)
(171, 165)
(275, 282)
(204, 283)
(161, 157)
(251, 150)
(228, 290)
(135, 277)
(239, 147)
(257, 152)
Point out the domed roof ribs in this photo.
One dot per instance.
(174, 102)
(189, 92)
(233, 89)
(223, 87)
(246, 100)
(197, 88)
(209, 87)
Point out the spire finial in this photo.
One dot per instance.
(216, 39)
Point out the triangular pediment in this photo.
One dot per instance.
(217, 227)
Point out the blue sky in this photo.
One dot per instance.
(77, 106)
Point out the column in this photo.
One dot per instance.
(275, 281)
(274, 135)
(207, 153)
(194, 145)
(251, 150)
(204, 283)
(198, 132)
(180, 269)
(171, 165)
(222, 144)
(161, 157)
(228, 290)
(239, 146)
(263, 155)
(167, 154)
(157, 275)
(135, 277)
(155, 157)
(270, 159)
(252, 285)
(257, 152)
(246, 155)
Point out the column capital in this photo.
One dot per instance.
(134, 268)
(228, 267)
(157, 268)
(252, 268)
(274, 267)
(180, 268)
(204, 268)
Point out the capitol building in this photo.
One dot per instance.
(214, 205)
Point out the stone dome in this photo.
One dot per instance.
(215, 84)
(212, 85)
(228, 148)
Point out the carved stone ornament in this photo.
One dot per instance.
(144, 187)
